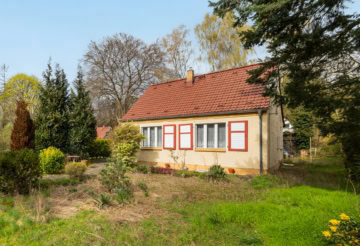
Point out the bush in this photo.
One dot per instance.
(102, 201)
(264, 181)
(113, 178)
(52, 160)
(343, 232)
(143, 186)
(162, 170)
(187, 174)
(126, 139)
(216, 173)
(75, 169)
(142, 168)
(100, 148)
(19, 171)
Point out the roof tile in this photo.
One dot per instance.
(175, 98)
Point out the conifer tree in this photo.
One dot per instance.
(23, 133)
(82, 119)
(52, 120)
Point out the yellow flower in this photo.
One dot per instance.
(326, 233)
(333, 228)
(344, 217)
(334, 222)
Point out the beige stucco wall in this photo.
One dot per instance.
(238, 160)
(275, 134)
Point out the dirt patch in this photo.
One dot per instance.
(163, 190)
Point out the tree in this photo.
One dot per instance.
(52, 117)
(23, 132)
(3, 72)
(219, 42)
(82, 120)
(303, 122)
(120, 68)
(178, 52)
(17, 88)
(316, 45)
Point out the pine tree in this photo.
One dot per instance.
(52, 120)
(23, 133)
(82, 119)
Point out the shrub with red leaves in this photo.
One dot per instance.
(162, 170)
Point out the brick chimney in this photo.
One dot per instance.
(190, 76)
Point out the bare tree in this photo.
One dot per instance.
(178, 51)
(120, 68)
(3, 73)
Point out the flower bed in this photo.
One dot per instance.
(162, 170)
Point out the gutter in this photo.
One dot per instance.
(196, 115)
(261, 140)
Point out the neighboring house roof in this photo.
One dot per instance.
(103, 131)
(209, 94)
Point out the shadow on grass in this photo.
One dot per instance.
(330, 177)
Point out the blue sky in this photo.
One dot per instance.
(32, 31)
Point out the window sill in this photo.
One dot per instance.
(209, 150)
(151, 148)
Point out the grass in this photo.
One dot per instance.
(291, 207)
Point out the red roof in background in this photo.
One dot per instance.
(217, 92)
(103, 131)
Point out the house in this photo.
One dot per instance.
(103, 132)
(215, 118)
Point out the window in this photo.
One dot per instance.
(169, 134)
(186, 136)
(211, 136)
(153, 136)
(238, 136)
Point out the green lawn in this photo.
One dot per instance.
(192, 212)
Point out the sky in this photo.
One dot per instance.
(33, 31)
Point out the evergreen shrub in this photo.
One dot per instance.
(19, 171)
(52, 160)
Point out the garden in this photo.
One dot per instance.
(125, 203)
(106, 198)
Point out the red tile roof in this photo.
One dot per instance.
(102, 131)
(213, 93)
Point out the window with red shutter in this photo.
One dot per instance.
(238, 135)
(169, 136)
(186, 136)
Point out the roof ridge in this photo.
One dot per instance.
(198, 75)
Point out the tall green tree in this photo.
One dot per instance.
(52, 117)
(303, 123)
(316, 45)
(82, 120)
(220, 44)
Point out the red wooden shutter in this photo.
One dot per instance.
(169, 137)
(186, 136)
(238, 135)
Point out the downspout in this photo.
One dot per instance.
(261, 139)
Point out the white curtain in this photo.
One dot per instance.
(211, 136)
(159, 136)
(152, 136)
(200, 136)
(221, 135)
(145, 133)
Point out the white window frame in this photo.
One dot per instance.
(147, 140)
(216, 137)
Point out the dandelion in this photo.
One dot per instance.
(326, 234)
(334, 222)
(344, 217)
(333, 228)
